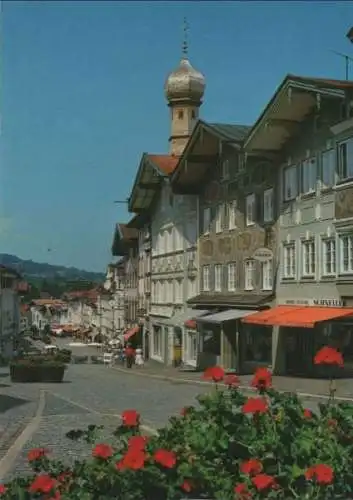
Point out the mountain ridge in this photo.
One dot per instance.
(31, 269)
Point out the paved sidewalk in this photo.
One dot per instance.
(304, 386)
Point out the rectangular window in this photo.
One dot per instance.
(231, 277)
(267, 275)
(308, 176)
(289, 266)
(345, 159)
(249, 274)
(268, 205)
(309, 258)
(157, 340)
(218, 277)
(206, 278)
(329, 257)
(232, 211)
(219, 218)
(206, 220)
(328, 168)
(346, 253)
(290, 183)
(250, 209)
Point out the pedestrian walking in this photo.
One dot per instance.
(130, 354)
(139, 361)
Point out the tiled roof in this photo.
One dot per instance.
(231, 132)
(166, 163)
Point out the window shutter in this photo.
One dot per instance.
(225, 278)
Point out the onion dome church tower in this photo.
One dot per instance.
(184, 90)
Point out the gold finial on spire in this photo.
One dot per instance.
(185, 45)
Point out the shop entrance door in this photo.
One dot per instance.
(299, 350)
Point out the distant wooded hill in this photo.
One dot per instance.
(41, 270)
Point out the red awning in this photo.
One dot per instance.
(131, 332)
(297, 316)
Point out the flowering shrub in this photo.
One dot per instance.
(231, 447)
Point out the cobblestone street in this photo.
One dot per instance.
(90, 394)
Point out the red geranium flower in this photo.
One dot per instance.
(42, 484)
(165, 458)
(251, 467)
(215, 373)
(131, 418)
(133, 459)
(137, 442)
(36, 454)
(307, 413)
(184, 411)
(263, 481)
(321, 472)
(262, 379)
(328, 356)
(103, 451)
(2, 489)
(242, 492)
(255, 405)
(231, 380)
(186, 486)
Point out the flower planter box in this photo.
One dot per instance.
(37, 373)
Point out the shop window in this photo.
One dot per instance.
(258, 344)
(212, 342)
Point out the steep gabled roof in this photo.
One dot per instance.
(123, 237)
(153, 168)
(294, 99)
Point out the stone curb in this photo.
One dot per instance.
(175, 380)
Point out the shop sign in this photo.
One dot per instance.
(329, 302)
(316, 302)
(262, 254)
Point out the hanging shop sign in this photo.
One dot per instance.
(262, 254)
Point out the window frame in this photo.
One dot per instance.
(206, 278)
(333, 252)
(308, 255)
(305, 170)
(349, 237)
(289, 261)
(252, 197)
(286, 170)
(332, 153)
(348, 174)
(270, 218)
(206, 217)
(247, 278)
(218, 269)
(232, 215)
(267, 279)
(219, 219)
(232, 280)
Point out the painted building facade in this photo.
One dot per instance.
(308, 129)
(9, 311)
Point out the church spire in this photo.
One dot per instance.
(185, 45)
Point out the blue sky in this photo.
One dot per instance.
(82, 98)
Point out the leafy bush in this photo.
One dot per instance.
(229, 447)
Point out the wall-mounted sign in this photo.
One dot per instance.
(262, 254)
(316, 302)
